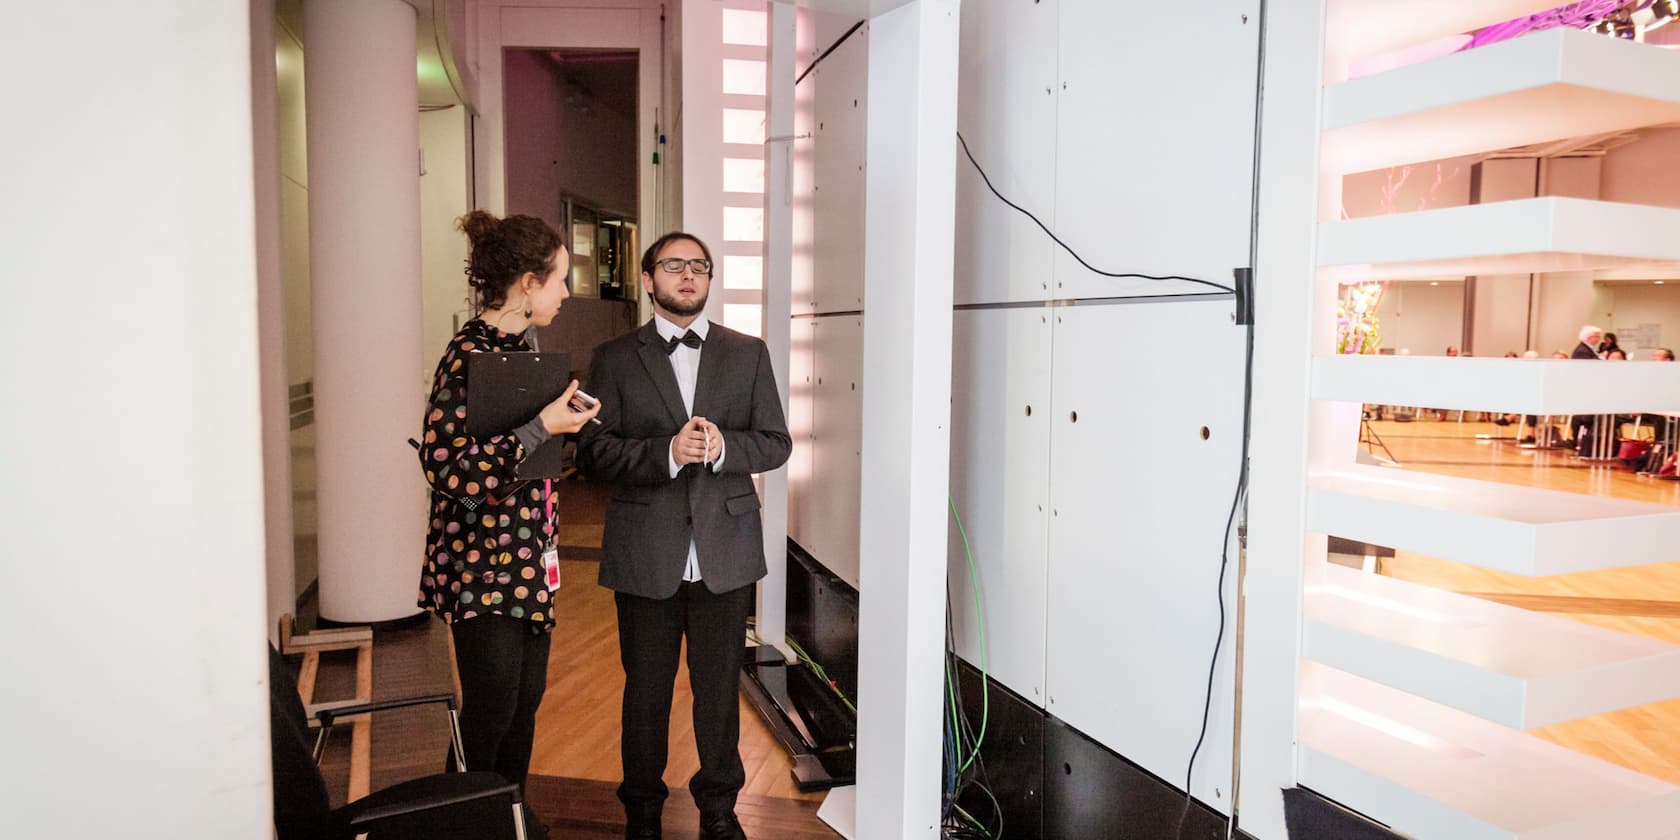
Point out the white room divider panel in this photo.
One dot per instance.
(839, 120)
(1000, 484)
(1136, 150)
(1007, 113)
(827, 343)
(832, 496)
(1139, 501)
(1154, 159)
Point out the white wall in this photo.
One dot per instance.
(443, 248)
(294, 272)
(561, 143)
(561, 24)
(1049, 98)
(1643, 172)
(1563, 303)
(1422, 319)
(294, 202)
(1407, 189)
(1629, 307)
(136, 699)
(271, 319)
(533, 100)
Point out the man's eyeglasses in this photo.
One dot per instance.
(674, 265)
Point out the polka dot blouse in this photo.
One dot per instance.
(488, 531)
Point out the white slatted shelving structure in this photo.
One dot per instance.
(1509, 237)
(1413, 701)
(1524, 530)
(1433, 773)
(1521, 386)
(1511, 666)
(1549, 85)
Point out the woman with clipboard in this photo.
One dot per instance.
(490, 564)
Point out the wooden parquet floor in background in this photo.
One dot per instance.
(575, 765)
(1643, 600)
(578, 724)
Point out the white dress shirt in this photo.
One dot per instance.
(685, 363)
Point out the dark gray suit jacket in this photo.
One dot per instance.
(651, 516)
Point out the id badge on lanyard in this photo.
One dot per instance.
(551, 553)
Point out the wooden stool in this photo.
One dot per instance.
(311, 646)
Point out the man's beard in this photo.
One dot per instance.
(677, 307)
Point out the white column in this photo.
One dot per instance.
(136, 702)
(1293, 315)
(702, 133)
(362, 100)
(911, 193)
(271, 321)
(778, 300)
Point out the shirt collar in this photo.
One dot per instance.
(668, 330)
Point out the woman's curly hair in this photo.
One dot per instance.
(503, 250)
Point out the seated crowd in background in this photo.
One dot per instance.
(1631, 446)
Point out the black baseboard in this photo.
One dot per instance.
(811, 723)
(1011, 757)
(1313, 817)
(822, 617)
(808, 719)
(1057, 783)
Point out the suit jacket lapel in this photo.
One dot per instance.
(658, 365)
(714, 357)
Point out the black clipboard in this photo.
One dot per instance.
(506, 390)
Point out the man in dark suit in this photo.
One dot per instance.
(1588, 348)
(689, 411)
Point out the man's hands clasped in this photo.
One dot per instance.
(699, 442)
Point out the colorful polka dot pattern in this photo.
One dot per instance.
(484, 548)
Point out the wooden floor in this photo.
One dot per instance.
(575, 763)
(578, 724)
(1643, 600)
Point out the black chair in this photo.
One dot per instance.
(444, 806)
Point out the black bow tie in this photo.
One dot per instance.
(689, 338)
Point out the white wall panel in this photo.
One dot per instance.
(1139, 503)
(804, 164)
(1000, 484)
(829, 503)
(803, 515)
(839, 106)
(1155, 152)
(1007, 112)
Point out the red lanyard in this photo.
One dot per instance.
(548, 502)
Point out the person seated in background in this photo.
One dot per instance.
(1609, 344)
(1441, 413)
(1507, 419)
(1534, 422)
(1662, 354)
(1616, 354)
(1588, 348)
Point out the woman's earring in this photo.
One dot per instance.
(527, 306)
